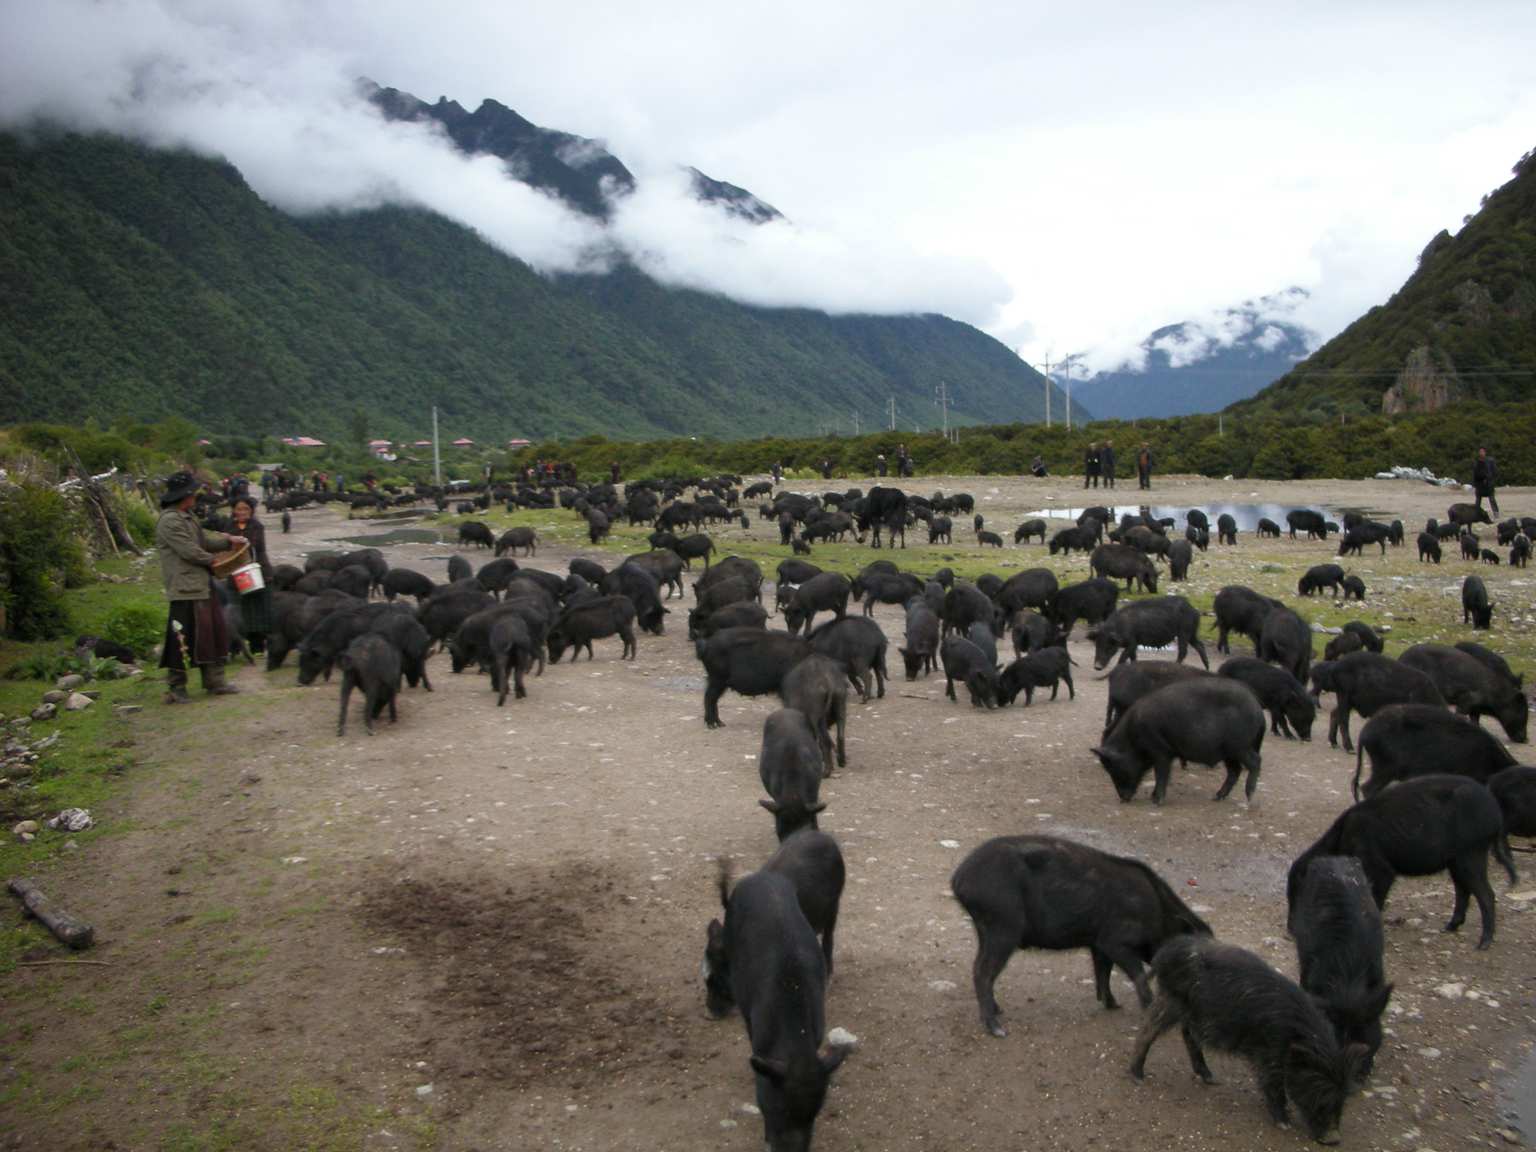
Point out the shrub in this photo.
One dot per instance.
(135, 627)
(139, 521)
(40, 553)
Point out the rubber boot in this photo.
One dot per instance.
(213, 680)
(176, 686)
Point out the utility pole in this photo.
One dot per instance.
(893, 413)
(1221, 424)
(437, 459)
(1067, 364)
(1047, 389)
(855, 423)
(943, 391)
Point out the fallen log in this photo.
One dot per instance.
(71, 931)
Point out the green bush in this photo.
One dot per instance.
(139, 521)
(135, 627)
(40, 554)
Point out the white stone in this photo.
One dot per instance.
(1451, 991)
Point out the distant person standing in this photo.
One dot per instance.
(1107, 464)
(613, 473)
(777, 471)
(880, 464)
(1091, 467)
(826, 469)
(1144, 467)
(1484, 476)
(1037, 467)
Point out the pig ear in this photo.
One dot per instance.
(775, 1070)
(1355, 1056)
(771, 805)
(820, 806)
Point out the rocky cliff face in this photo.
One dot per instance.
(1423, 385)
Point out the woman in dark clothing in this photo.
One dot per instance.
(255, 607)
(1484, 477)
(1091, 466)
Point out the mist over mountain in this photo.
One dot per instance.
(1202, 365)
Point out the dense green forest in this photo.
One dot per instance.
(144, 284)
(1467, 316)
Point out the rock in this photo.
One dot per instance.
(126, 709)
(1451, 991)
(54, 696)
(69, 683)
(72, 820)
(1430, 1053)
(424, 1090)
(45, 712)
(93, 694)
(842, 1038)
(25, 828)
(78, 702)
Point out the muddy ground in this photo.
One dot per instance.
(481, 928)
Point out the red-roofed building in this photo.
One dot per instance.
(463, 442)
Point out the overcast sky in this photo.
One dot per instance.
(1067, 177)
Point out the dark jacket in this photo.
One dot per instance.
(256, 533)
(1107, 460)
(1144, 461)
(1484, 473)
(1091, 462)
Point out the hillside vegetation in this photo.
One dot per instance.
(145, 284)
(1462, 327)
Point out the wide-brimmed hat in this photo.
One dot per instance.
(177, 488)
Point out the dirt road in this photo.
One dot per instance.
(482, 928)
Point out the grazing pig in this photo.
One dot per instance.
(1471, 687)
(777, 976)
(404, 582)
(1046, 668)
(285, 576)
(1395, 533)
(1366, 682)
(717, 596)
(1231, 1000)
(495, 576)
(1490, 557)
(1515, 790)
(1369, 640)
(1082, 538)
(1429, 547)
(476, 533)
(512, 652)
(1123, 562)
(1339, 951)
(1520, 551)
(1128, 683)
(1318, 577)
(967, 663)
(1180, 553)
(1242, 610)
(1308, 521)
(1028, 529)
(1475, 609)
(1146, 540)
(1201, 721)
(1408, 740)
(1423, 826)
(824, 592)
(940, 530)
(746, 614)
(1342, 645)
(1032, 588)
(1090, 600)
(598, 525)
(1471, 546)
(790, 766)
(859, 646)
(287, 522)
(1466, 514)
(370, 664)
(1285, 698)
(644, 592)
(1353, 586)
(354, 580)
(886, 588)
(665, 565)
(696, 547)
(1046, 892)
(922, 639)
(1032, 632)
(1286, 640)
(319, 650)
(1197, 519)
(410, 639)
(1149, 624)
(1199, 537)
(981, 636)
(1492, 660)
(750, 661)
(965, 604)
(1362, 535)
(984, 538)
(1226, 529)
(1268, 527)
(459, 569)
(514, 538)
(794, 571)
(817, 687)
(591, 620)
(814, 864)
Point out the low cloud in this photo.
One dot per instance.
(290, 116)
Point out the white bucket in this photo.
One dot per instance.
(248, 579)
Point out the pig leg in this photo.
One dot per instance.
(1163, 1016)
(716, 689)
(1161, 769)
(1469, 872)
(1196, 1056)
(1234, 770)
(1199, 646)
(1101, 970)
(346, 693)
(993, 950)
(1251, 762)
(1071, 691)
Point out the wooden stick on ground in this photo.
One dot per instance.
(63, 963)
(74, 932)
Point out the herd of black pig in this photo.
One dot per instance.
(770, 955)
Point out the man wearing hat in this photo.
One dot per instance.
(195, 631)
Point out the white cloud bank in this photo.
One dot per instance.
(1068, 178)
